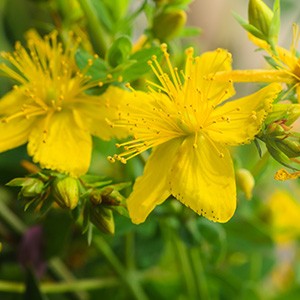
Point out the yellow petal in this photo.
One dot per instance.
(202, 178)
(97, 110)
(284, 57)
(260, 43)
(287, 58)
(15, 133)
(205, 68)
(279, 75)
(58, 143)
(151, 188)
(11, 102)
(238, 121)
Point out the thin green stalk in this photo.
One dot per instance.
(129, 251)
(60, 270)
(256, 170)
(186, 268)
(129, 278)
(11, 219)
(97, 33)
(199, 272)
(61, 287)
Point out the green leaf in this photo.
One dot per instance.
(248, 27)
(190, 31)
(121, 210)
(98, 70)
(140, 67)
(119, 51)
(271, 62)
(275, 24)
(103, 14)
(16, 182)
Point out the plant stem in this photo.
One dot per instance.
(186, 268)
(129, 278)
(62, 287)
(256, 170)
(97, 33)
(129, 251)
(11, 219)
(200, 276)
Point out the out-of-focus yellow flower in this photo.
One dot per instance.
(189, 126)
(49, 108)
(285, 215)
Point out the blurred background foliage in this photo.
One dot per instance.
(175, 254)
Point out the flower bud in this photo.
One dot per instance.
(66, 192)
(290, 148)
(260, 16)
(245, 182)
(31, 187)
(168, 24)
(102, 218)
(289, 112)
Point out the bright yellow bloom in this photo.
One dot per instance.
(287, 65)
(285, 215)
(189, 126)
(49, 108)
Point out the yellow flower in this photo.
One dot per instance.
(286, 63)
(285, 214)
(49, 108)
(189, 126)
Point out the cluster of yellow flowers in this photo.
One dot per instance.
(187, 118)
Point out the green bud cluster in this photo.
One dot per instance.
(89, 197)
(282, 143)
(263, 22)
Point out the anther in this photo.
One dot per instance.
(163, 47)
(123, 160)
(111, 159)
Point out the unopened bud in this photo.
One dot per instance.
(66, 192)
(168, 24)
(245, 182)
(275, 129)
(290, 148)
(289, 112)
(102, 218)
(96, 196)
(31, 187)
(260, 16)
